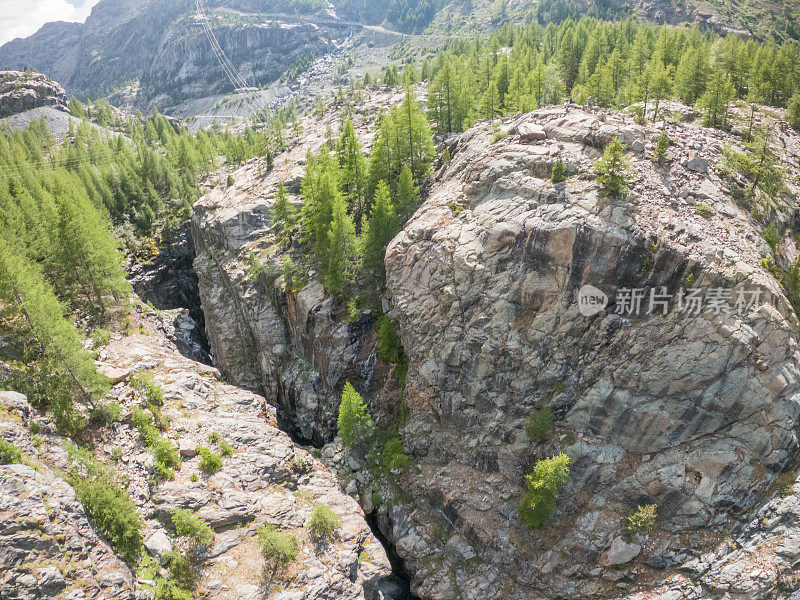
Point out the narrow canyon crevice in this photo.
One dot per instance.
(398, 586)
(168, 281)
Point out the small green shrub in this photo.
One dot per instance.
(277, 549)
(662, 146)
(187, 524)
(540, 425)
(544, 484)
(642, 520)
(166, 454)
(100, 338)
(210, 462)
(213, 437)
(704, 210)
(170, 590)
(230, 180)
(145, 384)
(113, 513)
(500, 134)
(771, 235)
(559, 172)
(612, 169)
(225, 449)
(389, 344)
(114, 412)
(180, 570)
(141, 420)
(393, 455)
(9, 453)
(323, 522)
(33, 427)
(193, 477)
(162, 472)
(116, 454)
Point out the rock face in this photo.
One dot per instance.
(298, 349)
(23, 91)
(267, 479)
(694, 412)
(168, 281)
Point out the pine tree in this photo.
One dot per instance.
(380, 230)
(407, 195)
(23, 288)
(490, 103)
(793, 111)
(716, 99)
(384, 159)
(341, 250)
(320, 189)
(86, 244)
(559, 172)
(691, 76)
(612, 169)
(414, 134)
(660, 86)
(76, 108)
(761, 164)
(442, 98)
(753, 99)
(355, 423)
(544, 484)
(283, 218)
(354, 171)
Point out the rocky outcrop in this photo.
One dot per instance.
(298, 349)
(694, 412)
(267, 479)
(23, 91)
(48, 548)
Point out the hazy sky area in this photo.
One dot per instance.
(21, 18)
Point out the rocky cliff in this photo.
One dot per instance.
(693, 410)
(297, 349)
(49, 548)
(23, 91)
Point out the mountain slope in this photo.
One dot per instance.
(163, 44)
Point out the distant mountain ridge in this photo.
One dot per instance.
(162, 43)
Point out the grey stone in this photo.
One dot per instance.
(158, 544)
(621, 552)
(697, 163)
(51, 580)
(16, 402)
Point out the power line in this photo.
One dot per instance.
(231, 72)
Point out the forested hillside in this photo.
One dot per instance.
(605, 64)
(65, 210)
